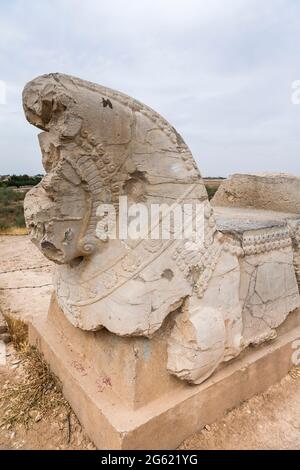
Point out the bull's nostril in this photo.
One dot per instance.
(50, 250)
(48, 246)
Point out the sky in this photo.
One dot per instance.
(220, 71)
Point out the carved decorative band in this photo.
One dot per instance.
(267, 240)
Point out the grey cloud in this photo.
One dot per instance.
(220, 72)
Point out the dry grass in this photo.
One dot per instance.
(14, 231)
(18, 331)
(34, 397)
(38, 393)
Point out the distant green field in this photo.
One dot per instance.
(12, 192)
(211, 191)
(11, 208)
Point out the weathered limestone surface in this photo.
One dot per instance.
(268, 292)
(192, 346)
(98, 144)
(267, 191)
(262, 211)
(131, 317)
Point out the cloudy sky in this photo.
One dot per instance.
(220, 71)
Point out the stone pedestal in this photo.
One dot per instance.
(123, 395)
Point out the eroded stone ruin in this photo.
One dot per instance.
(133, 328)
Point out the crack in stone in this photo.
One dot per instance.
(26, 269)
(25, 287)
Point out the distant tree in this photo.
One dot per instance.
(21, 180)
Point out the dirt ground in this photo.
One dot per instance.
(267, 421)
(55, 431)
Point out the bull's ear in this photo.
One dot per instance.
(46, 110)
(38, 104)
(47, 95)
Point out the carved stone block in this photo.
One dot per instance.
(141, 318)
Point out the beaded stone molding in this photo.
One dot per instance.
(265, 240)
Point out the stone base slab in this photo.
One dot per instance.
(162, 423)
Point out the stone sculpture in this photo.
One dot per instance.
(233, 288)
